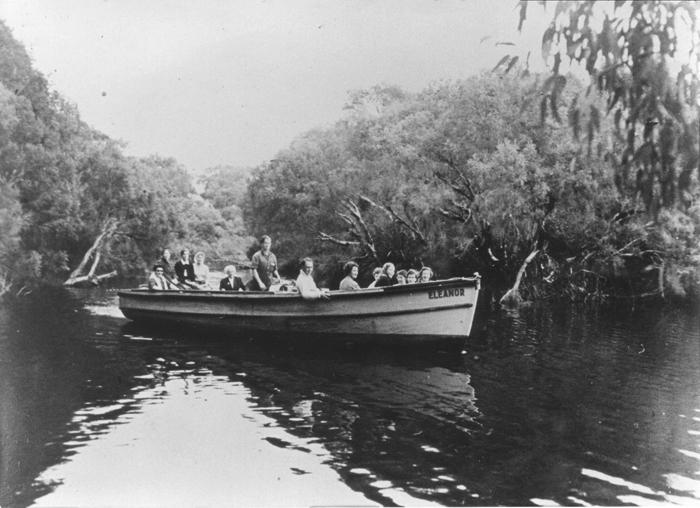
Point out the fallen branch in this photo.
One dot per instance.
(92, 279)
(108, 229)
(512, 297)
(324, 237)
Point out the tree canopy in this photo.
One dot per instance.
(644, 58)
(62, 182)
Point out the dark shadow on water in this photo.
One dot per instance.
(532, 399)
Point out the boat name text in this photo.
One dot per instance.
(444, 293)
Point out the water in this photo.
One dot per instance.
(541, 407)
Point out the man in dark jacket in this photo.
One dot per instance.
(231, 282)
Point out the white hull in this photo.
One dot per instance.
(434, 309)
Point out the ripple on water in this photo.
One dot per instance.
(105, 310)
(98, 410)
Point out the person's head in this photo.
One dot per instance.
(185, 254)
(199, 257)
(166, 254)
(307, 266)
(376, 273)
(389, 269)
(425, 274)
(230, 270)
(158, 269)
(411, 276)
(265, 243)
(401, 277)
(352, 269)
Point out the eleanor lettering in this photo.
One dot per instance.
(445, 293)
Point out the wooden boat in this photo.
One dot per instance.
(421, 311)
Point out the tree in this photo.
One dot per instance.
(643, 57)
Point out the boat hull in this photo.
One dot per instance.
(420, 311)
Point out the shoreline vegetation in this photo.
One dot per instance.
(549, 187)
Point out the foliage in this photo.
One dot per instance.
(465, 176)
(643, 57)
(61, 181)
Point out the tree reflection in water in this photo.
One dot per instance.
(546, 406)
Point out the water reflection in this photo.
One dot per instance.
(543, 408)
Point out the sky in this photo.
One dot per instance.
(232, 82)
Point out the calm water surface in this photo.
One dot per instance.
(541, 407)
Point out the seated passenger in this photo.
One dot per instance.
(201, 271)
(376, 273)
(401, 277)
(157, 281)
(351, 270)
(184, 269)
(305, 283)
(387, 276)
(231, 282)
(411, 276)
(425, 274)
(164, 261)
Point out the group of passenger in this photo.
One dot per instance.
(185, 274)
(384, 276)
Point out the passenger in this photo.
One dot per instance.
(401, 277)
(231, 282)
(185, 270)
(411, 276)
(264, 264)
(157, 281)
(305, 283)
(165, 262)
(387, 276)
(425, 274)
(376, 273)
(201, 271)
(351, 270)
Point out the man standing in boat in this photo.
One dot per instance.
(264, 264)
(305, 283)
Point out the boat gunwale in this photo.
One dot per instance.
(198, 294)
(299, 316)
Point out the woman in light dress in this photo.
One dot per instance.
(201, 271)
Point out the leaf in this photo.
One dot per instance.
(559, 84)
(504, 43)
(557, 62)
(543, 109)
(500, 62)
(513, 61)
(523, 14)
(616, 96)
(618, 117)
(595, 118)
(547, 41)
(548, 84)
(575, 120)
(555, 109)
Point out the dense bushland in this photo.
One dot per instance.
(466, 177)
(63, 184)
